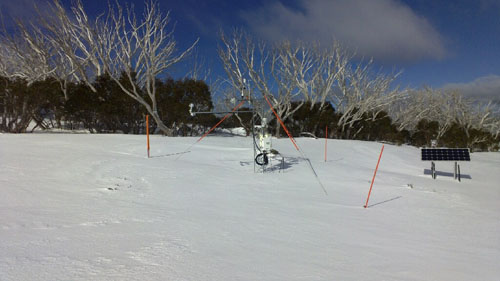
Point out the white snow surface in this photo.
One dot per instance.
(94, 207)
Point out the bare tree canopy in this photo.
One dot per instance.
(446, 107)
(292, 74)
(70, 46)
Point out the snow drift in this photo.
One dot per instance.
(93, 207)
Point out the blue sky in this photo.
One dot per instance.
(450, 44)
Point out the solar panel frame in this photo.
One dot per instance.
(445, 154)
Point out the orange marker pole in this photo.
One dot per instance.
(373, 179)
(326, 141)
(222, 120)
(282, 124)
(147, 131)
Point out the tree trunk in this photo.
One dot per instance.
(163, 128)
(278, 127)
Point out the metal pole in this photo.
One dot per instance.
(147, 131)
(326, 141)
(253, 135)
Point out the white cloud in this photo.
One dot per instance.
(482, 89)
(387, 30)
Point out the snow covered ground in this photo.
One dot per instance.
(93, 207)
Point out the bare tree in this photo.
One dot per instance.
(24, 59)
(284, 73)
(413, 106)
(292, 67)
(358, 93)
(73, 39)
(60, 44)
(494, 127)
(426, 103)
(291, 74)
(318, 81)
(445, 111)
(22, 62)
(142, 50)
(116, 43)
(238, 56)
(472, 115)
(447, 108)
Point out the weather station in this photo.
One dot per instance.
(263, 151)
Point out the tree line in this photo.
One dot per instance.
(104, 75)
(312, 86)
(106, 109)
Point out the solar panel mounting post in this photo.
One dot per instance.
(446, 154)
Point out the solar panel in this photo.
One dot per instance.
(445, 154)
